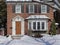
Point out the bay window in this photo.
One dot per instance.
(38, 25)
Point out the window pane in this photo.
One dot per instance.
(31, 8)
(38, 25)
(34, 25)
(29, 25)
(43, 9)
(42, 25)
(18, 8)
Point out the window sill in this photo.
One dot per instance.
(18, 13)
(38, 30)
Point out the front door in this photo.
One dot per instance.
(18, 27)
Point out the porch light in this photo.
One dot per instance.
(56, 24)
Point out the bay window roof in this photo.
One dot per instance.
(37, 17)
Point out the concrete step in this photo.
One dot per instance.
(16, 36)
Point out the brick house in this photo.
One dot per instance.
(25, 15)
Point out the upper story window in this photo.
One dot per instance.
(18, 9)
(43, 9)
(31, 8)
(37, 25)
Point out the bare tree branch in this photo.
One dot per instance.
(47, 5)
(57, 3)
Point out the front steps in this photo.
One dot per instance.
(16, 36)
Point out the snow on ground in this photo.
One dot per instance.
(27, 40)
(4, 40)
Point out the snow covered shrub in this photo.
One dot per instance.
(37, 34)
(53, 28)
(34, 34)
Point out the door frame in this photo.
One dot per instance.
(17, 18)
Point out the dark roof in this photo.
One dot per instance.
(19, 1)
(23, 1)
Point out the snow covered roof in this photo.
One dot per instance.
(37, 16)
(28, 0)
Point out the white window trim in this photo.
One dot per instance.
(45, 25)
(16, 8)
(30, 7)
(45, 8)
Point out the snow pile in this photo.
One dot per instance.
(51, 40)
(4, 40)
(28, 39)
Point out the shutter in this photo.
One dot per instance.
(27, 8)
(48, 9)
(35, 8)
(39, 8)
(13, 8)
(22, 8)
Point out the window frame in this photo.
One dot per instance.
(30, 8)
(45, 25)
(17, 6)
(45, 7)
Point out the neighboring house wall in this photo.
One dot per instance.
(11, 15)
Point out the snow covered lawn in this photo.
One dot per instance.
(27, 40)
